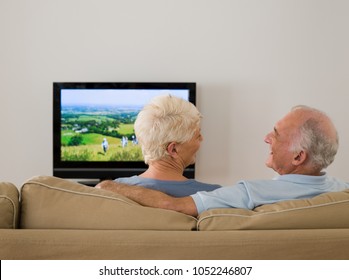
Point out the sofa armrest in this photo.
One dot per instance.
(9, 205)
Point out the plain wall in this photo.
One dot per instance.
(252, 61)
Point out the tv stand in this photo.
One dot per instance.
(90, 183)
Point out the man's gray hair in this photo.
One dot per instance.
(315, 138)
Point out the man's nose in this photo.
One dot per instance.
(267, 138)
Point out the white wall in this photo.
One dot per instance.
(252, 61)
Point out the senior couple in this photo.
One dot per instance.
(302, 144)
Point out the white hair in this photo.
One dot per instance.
(164, 120)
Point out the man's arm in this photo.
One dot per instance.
(151, 198)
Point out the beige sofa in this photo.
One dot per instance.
(52, 218)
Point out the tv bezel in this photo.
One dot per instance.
(101, 170)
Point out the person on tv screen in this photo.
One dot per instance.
(302, 145)
(105, 145)
(168, 131)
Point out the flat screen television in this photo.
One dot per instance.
(86, 114)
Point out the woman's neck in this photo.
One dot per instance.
(163, 170)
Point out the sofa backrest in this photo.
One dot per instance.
(9, 205)
(325, 211)
(53, 203)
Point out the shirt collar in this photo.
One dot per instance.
(304, 179)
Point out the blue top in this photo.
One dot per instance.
(173, 188)
(250, 194)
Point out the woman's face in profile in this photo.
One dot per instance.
(187, 151)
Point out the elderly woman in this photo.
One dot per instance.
(168, 131)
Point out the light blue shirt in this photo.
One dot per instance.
(250, 194)
(173, 188)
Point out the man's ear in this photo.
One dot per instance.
(299, 158)
(172, 149)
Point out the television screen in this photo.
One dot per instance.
(93, 134)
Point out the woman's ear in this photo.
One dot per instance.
(172, 149)
(299, 158)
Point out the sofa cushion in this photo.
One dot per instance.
(325, 211)
(9, 205)
(53, 203)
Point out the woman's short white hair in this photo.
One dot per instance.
(164, 120)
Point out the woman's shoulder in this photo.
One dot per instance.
(204, 186)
